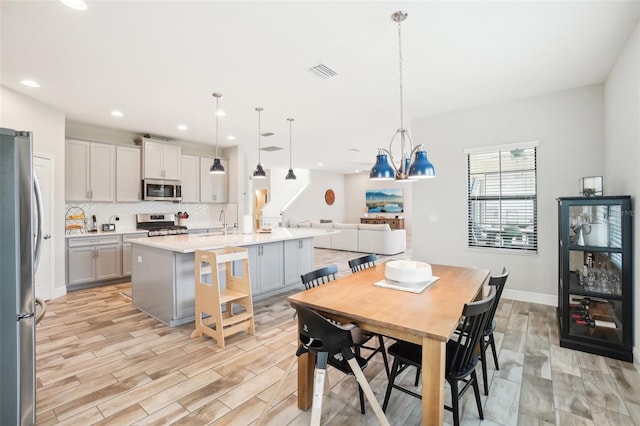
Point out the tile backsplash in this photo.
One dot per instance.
(199, 214)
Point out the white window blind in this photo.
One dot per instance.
(502, 198)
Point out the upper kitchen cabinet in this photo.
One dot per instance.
(161, 160)
(190, 179)
(213, 188)
(90, 171)
(128, 181)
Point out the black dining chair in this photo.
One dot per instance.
(497, 282)
(360, 264)
(363, 262)
(331, 343)
(319, 276)
(461, 357)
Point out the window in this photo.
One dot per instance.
(502, 197)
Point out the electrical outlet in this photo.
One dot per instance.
(139, 259)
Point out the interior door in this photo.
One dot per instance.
(46, 267)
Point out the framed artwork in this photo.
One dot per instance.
(384, 200)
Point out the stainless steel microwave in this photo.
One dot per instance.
(161, 190)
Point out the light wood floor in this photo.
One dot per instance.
(101, 361)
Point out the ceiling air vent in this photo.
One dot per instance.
(322, 71)
(271, 148)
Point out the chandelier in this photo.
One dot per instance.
(421, 168)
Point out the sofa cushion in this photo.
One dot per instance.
(374, 226)
(338, 225)
(315, 224)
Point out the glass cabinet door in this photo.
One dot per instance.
(595, 274)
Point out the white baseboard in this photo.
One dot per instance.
(58, 292)
(526, 296)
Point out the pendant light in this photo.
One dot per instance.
(421, 167)
(217, 168)
(259, 172)
(290, 175)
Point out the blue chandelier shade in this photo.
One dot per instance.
(382, 170)
(421, 168)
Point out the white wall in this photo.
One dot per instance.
(569, 126)
(282, 192)
(310, 205)
(622, 139)
(358, 183)
(47, 124)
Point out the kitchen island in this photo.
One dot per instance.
(162, 279)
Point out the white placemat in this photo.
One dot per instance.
(411, 287)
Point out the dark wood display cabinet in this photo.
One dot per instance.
(595, 295)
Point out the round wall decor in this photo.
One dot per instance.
(329, 196)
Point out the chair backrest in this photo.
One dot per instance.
(363, 262)
(318, 334)
(475, 316)
(319, 276)
(498, 282)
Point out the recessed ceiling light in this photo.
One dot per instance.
(117, 114)
(182, 127)
(222, 114)
(75, 4)
(319, 164)
(357, 170)
(30, 83)
(231, 138)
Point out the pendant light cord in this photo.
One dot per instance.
(400, 62)
(259, 109)
(217, 117)
(290, 145)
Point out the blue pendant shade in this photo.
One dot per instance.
(421, 168)
(216, 168)
(382, 170)
(290, 175)
(259, 172)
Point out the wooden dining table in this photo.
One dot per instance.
(426, 318)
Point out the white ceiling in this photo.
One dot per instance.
(159, 61)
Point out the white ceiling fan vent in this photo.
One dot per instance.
(271, 148)
(322, 71)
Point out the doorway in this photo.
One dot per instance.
(259, 201)
(43, 169)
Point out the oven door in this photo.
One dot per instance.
(161, 190)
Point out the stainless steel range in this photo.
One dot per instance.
(160, 224)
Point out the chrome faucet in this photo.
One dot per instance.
(223, 218)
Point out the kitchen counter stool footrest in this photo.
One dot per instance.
(210, 296)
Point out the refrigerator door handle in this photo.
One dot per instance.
(39, 222)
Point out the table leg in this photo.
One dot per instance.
(433, 369)
(306, 365)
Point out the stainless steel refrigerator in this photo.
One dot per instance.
(20, 237)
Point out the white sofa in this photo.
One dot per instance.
(360, 237)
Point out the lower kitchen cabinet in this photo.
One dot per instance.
(126, 253)
(265, 265)
(93, 259)
(298, 259)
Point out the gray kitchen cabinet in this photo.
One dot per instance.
(90, 171)
(265, 266)
(93, 259)
(126, 252)
(128, 178)
(161, 160)
(213, 188)
(190, 179)
(298, 259)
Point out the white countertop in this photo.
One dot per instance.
(191, 242)
(106, 233)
